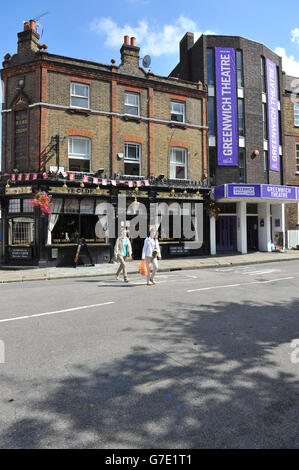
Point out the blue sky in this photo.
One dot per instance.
(94, 29)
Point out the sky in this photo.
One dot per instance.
(94, 29)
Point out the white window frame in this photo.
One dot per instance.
(297, 158)
(133, 160)
(80, 156)
(132, 105)
(296, 114)
(183, 113)
(174, 164)
(73, 94)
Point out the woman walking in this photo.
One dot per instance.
(150, 253)
(122, 251)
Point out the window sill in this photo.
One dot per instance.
(181, 125)
(84, 111)
(129, 117)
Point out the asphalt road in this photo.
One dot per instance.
(204, 359)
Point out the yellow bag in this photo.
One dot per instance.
(143, 269)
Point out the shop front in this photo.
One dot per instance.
(31, 238)
(250, 217)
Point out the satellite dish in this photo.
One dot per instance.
(146, 61)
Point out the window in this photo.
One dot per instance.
(297, 157)
(212, 164)
(210, 66)
(73, 219)
(132, 104)
(242, 167)
(211, 115)
(132, 159)
(79, 95)
(263, 74)
(296, 114)
(178, 163)
(16, 206)
(239, 60)
(79, 154)
(241, 123)
(177, 111)
(20, 231)
(266, 167)
(265, 121)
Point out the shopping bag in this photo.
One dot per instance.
(143, 269)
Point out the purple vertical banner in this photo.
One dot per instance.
(273, 116)
(226, 106)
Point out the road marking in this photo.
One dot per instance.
(56, 311)
(238, 285)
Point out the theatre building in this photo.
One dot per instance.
(291, 138)
(245, 139)
(85, 133)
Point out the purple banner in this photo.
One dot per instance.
(246, 190)
(273, 116)
(279, 192)
(219, 192)
(226, 106)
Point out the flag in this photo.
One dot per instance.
(138, 183)
(104, 182)
(64, 174)
(45, 175)
(146, 182)
(113, 182)
(85, 179)
(13, 177)
(130, 183)
(20, 176)
(72, 177)
(34, 176)
(95, 180)
(122, 182)
(27, 177)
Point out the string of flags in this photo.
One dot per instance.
(72, 177)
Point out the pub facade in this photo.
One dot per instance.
(87, 134)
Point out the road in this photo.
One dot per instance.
(203, 359)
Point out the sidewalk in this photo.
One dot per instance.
(20, 275)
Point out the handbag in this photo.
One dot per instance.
(143, 268)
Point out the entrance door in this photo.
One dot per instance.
(252, 233)
(226, 228)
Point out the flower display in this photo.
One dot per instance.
(43, 201)
(212, 208)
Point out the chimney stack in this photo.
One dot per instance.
(28, 39)
(130, 52)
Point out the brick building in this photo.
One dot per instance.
(291, 144)
(86, 132)
(245, 138)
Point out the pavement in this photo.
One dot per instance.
(22, 274)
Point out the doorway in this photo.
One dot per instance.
(252, 233)
(226, 233)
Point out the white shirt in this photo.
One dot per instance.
(149, 245)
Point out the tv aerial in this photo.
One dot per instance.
(146, 61)
(38, 26)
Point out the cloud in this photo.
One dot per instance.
(295, 35)
(154, 39)
(289, 64)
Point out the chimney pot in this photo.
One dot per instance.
(26, 26)
(133, 41)
(32, 25)
(126, 40)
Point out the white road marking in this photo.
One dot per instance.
(56, 311)
(238, 285)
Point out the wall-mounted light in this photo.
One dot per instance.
(255, 154)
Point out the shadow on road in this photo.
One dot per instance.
(215, 376)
